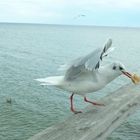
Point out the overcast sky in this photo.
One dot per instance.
(83, 12)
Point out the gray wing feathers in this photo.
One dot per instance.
(88, 63)
(106, 49)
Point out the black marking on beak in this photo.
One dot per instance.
(127, 74)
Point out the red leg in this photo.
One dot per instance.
(72, 108)
(94, 103)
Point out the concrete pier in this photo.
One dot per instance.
(96, 123)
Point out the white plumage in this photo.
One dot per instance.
(85, 74)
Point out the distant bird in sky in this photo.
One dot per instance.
(79, 16)
(86, 74)
(82, 15)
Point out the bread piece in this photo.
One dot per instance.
(135, 79)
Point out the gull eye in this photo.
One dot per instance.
(120, 68)
(114, 67)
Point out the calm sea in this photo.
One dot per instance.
(30, 51)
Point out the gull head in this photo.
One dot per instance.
(119, 69)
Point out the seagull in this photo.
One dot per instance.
(86, 75)
(79, 16)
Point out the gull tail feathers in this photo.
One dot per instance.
(54, 80)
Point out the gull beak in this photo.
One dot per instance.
(127, 74)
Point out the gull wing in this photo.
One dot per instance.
(88, 63)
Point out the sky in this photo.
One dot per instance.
(72, 12)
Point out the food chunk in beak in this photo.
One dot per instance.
(135, 78)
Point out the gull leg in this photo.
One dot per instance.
(94, 103)
(72, 108)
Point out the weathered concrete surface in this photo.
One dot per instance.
(96, 123)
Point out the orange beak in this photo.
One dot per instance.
(127, 74)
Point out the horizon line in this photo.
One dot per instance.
(57, 24)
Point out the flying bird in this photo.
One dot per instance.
(86, 75)
(79, 16)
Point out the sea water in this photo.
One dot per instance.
(29, 51)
